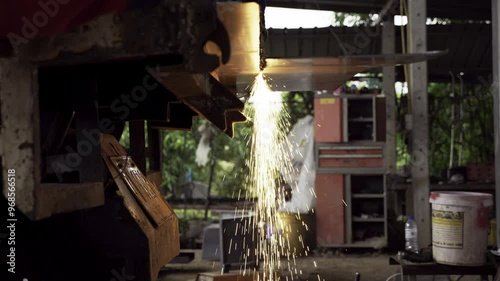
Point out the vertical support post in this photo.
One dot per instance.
(20, 132)
(138, 144)
(388, 47)
(154, 148)
(389, 78)
(417, 42)
(154, 154)
(495, 27)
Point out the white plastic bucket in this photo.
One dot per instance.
(460, 222)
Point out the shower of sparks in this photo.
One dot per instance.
(270, 156)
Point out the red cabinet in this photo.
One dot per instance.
(328, 119)
(350, 185)
(330, 210)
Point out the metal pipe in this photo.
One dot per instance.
(452, 135)
(461, 114)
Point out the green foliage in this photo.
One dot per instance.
(125, 138)
(179, 152)
(299, 105)
(350, 19)
(477, 127)
(231, 171)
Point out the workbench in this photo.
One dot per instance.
(411, 270)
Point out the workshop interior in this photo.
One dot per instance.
(228, 140)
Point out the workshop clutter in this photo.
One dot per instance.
(481, 172)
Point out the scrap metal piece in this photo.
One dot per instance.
(203, 25)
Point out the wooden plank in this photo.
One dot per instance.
(127, 175)
(19, 131)
(57, 198)
(163, 239)
(155, 177)
(154, 151)
(144, 190)
(387, 105)
(138, 144)
(420, 121)
(496, 104)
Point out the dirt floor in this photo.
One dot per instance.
(329, 267)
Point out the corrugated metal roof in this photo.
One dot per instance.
(453, 9)
(468, 45)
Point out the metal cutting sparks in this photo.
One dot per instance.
(269, 156)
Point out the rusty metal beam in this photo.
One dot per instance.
(206, 96)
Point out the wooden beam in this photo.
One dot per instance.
(495, 11)
(138, 144)
(417, 42)
(154, 151)
(389, 74)
(389, 78)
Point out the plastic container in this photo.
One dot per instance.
(411, 235)
(460, 223)
(492, 237)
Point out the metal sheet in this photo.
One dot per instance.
(307, 74)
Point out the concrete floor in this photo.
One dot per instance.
(329, 267)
